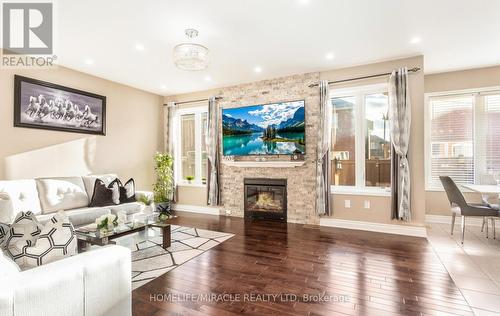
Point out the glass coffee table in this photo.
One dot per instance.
(90, 235)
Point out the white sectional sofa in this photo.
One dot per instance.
(46, 196)
(93, 283)
(97, 282)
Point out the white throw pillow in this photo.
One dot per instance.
(7, 266)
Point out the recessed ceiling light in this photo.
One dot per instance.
(257, 69)
(139, 47)
(415, 40)
(89, 61)
(208, 78)
(303, 2)
(163, 87)
(330, 56)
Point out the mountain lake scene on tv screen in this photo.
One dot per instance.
(270, 129)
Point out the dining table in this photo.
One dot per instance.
(484, 189)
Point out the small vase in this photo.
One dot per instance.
(148, 209)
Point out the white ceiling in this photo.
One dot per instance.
(282, 37)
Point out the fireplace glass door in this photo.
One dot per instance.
(265, 198)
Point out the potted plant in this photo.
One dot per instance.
(148, 202)
(189, 179)
(163, 189)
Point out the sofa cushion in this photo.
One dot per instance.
(105, 195)
(62, 194)
(18, 196)
(23, 233)
(7, 266)
(80, 216)
(127, 191)
(128, 208)
(89, 182)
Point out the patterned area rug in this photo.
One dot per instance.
(150, 260)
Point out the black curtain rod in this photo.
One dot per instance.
(194, 101)
(416, 69)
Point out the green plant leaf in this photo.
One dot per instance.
(164, 186)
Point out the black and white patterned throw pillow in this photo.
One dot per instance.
(56, 240)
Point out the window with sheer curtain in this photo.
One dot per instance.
(190, 154)
(462, 137)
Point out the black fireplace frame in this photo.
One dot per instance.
(261, 214)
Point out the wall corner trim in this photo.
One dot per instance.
(406, 230)
(197, 209)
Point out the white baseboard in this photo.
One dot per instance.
(197, 209)
(407, 230)
(446, 219)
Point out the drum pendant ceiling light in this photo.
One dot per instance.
(191, 56)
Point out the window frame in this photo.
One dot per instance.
(359, 93)
(477, 95)
(198, 112)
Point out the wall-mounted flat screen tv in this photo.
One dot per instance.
(268, 129)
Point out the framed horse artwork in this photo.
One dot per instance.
(44, 105)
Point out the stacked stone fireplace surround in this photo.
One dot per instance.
(300, 180)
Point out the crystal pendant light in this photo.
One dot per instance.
(191, 56)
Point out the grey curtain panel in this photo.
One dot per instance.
(400, 120)
(172, 138)
(323, 206)
(213, 154)
(394, 188)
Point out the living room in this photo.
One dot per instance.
(300, 157)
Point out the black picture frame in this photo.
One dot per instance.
(82, 122)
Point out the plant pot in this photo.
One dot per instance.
(163, 207)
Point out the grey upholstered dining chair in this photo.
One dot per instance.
(460, 207)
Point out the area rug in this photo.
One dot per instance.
(150, 260)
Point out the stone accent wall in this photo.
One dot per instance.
(301, 180)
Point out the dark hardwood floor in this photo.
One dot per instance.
(375, 274)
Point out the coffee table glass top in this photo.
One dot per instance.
(136, 225)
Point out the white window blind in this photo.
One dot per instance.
(463, 138)
(489, 134)
(451, 139)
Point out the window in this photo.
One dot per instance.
(190, 152)
(361, 146)
(462, 137)
(343, 142)
(377, 141)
